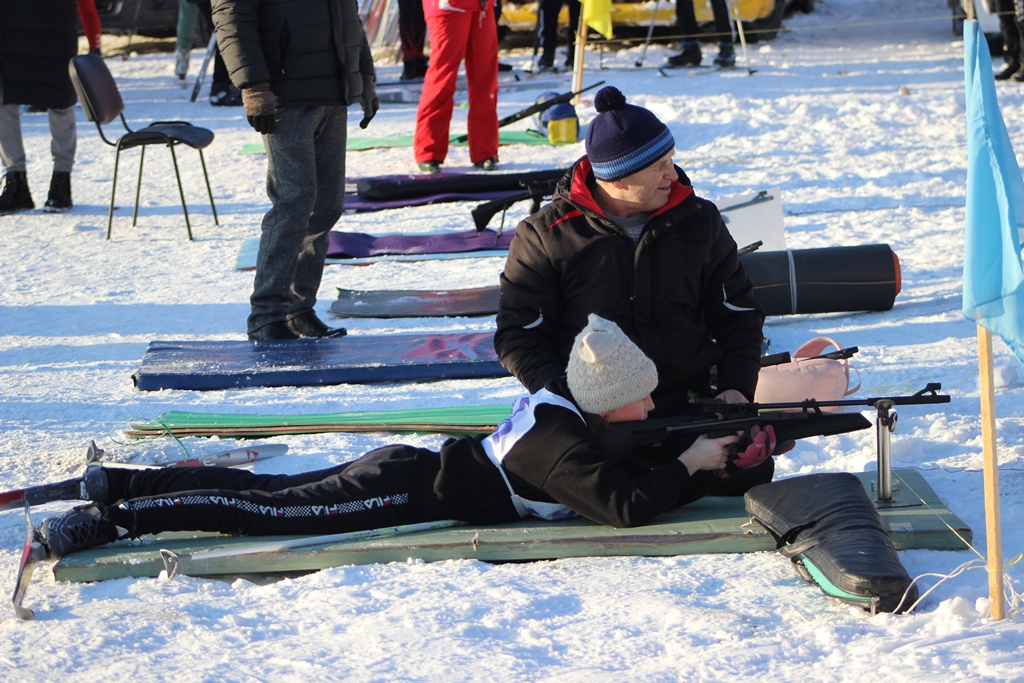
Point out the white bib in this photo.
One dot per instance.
(509, 432)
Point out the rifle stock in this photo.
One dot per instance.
(786, 425)
(483, 213)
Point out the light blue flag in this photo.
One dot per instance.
(993, 273)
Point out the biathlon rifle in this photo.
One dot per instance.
(537, 108)
(537, 191)
(796, 420)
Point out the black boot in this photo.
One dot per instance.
(81, 528)
(1009, 70)
(59, 199)
(726, 58)
(95, 485)
(414, 68)
(225, 95)
(308, 325)
(15, 196)
(689, 56)
(278, 329)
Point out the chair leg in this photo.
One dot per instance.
(113, 193)
(138, 186)
(208, 190)
(181, 191)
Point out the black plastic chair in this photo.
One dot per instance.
(102, 103)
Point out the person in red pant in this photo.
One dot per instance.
(460, 30)
(90, 19)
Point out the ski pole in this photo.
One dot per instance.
(71, 489)
(131, 31)
(201, 76)
(650, 32)
(172, 560)
(735, 10)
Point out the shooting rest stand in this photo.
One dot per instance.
(885, 424)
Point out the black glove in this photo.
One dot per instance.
(260, 107)
(370, 101)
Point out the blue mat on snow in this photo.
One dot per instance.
(205, 365)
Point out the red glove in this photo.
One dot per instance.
(760, 446)
(756, 447)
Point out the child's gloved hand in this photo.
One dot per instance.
(752, 449)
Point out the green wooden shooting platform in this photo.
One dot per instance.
(710, 525)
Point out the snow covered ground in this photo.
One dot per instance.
(857, 114)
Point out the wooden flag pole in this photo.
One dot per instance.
(577, 67)
(993, 527)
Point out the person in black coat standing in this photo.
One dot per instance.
(299, 65)
(37, 40)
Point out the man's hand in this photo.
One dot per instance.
(370, 101)
(260, 107)
(731, 396)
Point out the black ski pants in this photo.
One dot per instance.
(388, 486)
(686, 20)
(547, 30)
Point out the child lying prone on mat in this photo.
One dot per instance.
(550, 459)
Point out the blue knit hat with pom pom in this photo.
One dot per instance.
(624, 138)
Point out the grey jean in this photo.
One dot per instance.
(62, 133)
(306, 186)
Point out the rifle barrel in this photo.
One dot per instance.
(927, 395)
(791, 420)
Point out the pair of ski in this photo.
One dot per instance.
(35, 552)
(696, 70)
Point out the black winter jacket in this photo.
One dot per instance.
(561, 459)
(37, 40)
(680, 293)
(311, 52)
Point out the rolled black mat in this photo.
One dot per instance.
(385, 188)
(826, 280)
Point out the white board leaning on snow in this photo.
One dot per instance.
(755, 216)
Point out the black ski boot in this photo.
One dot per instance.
(15, 196)
(95, 485)
(225, 95)
(414, 68)
(80, 528)
(689, 55)
(1008, 71)
(59, 199)
(726, 58)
